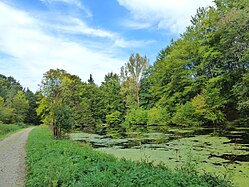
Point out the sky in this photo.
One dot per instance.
(86, 37)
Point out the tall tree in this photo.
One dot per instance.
(6, 113)
(52, 108)
(112, 99)
(131, 74)
(31, 117)
(147, 100)
(21, 106)
(208, 60)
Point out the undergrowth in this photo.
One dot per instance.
(65, 163)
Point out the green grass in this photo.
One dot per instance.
(8, 129)
(65, 163)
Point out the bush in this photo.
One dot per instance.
(206, 111)
(137, 117)
(186, 116)
(114, 119)
(158, 116)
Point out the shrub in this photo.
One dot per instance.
(137, 117)
(113, 119)
(158, 116)
(186, 116)
(206, 111)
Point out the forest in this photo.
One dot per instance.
(17, 105)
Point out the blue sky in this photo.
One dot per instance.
(85, 36)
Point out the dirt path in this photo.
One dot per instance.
(12, 159)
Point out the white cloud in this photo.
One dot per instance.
(131, 43)
(136, 24)
(77, 26)
(34, 51)
(76, 3)
(172, 15)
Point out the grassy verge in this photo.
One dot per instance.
(8, 129)
(65, 163)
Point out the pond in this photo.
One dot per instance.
(226, 153)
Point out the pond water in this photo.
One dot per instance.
(225, 153)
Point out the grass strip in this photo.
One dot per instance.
(65, 163)
(8, 129)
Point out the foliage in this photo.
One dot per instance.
(131, 75)
(111, 94)
(6, 113)
(20, 105)
(242, 93)
(63, 116)
(158, 116)
(210, 58)
(8, 87)
(147, 100)
(59, 101)
(32, 117)
(114, 119)
(185, 115)
(69, 164)
(15, 106)
(51, 99)
(214, 100)
(128, 92)
(96, 103)
(137, 116)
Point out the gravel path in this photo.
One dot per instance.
(12, 159)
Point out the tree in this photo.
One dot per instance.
(111, 96)
(90, 80)
(128, 92)
(72, 99)
(92, 95)
(159, 116)
(215, 102)
(52, 101)
(204, 65)
(2, 110)
(131, 75)
(31, 116)
(137, 116)
(114, 119)
(21, 106)
(8, 88)
(241, 92)
(186, 116)
(13, 103)
(147, 101)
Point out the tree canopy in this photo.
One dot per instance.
(17, 105)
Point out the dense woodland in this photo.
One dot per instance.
(17, 105)
(200, 79)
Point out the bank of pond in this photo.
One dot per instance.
(68, 163)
